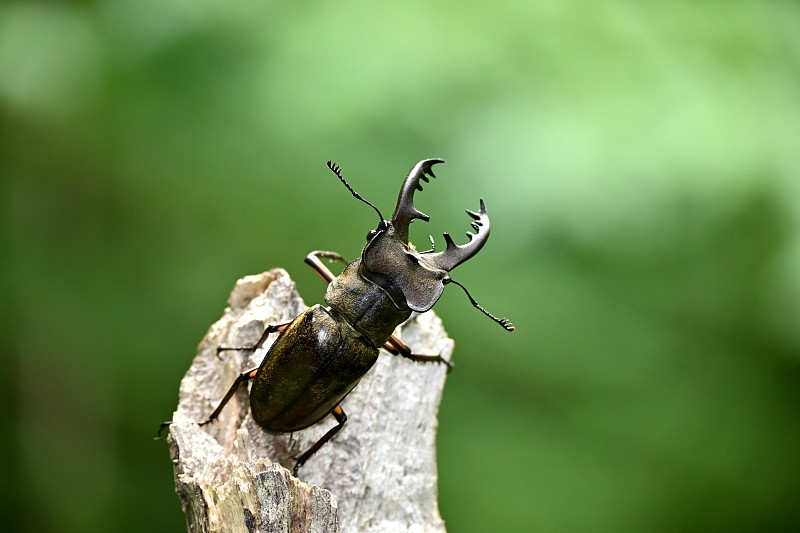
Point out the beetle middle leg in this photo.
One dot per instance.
(244, 377)
(397, 347)
(272, 328)
(341, 418)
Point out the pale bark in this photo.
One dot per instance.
(377, 474)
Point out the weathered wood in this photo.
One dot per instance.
(377, 474)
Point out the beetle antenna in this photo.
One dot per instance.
(336, 169)
(507, 325)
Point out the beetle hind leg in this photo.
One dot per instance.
(244, 377)
(341, 418)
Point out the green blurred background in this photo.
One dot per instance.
(641, 164)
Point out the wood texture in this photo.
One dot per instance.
(377, 474)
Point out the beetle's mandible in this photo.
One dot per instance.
(321, 355)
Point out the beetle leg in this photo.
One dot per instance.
(341, 418)
(397, 347)
(272, 328)
(244, 377)
(314, 260)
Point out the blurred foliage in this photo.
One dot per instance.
(640, 163)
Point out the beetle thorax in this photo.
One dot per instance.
(365, 305)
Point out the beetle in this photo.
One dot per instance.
(321, 355)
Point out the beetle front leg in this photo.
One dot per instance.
(314, 260)
(397, 347)
(341, 418)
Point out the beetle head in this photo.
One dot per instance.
(416, 278)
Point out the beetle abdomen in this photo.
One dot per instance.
(315, 362)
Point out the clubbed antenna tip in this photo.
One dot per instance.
(504, 322)
(336, 169)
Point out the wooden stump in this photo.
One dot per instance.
(377, 474)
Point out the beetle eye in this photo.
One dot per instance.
(371, 234)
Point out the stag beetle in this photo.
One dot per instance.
(321, 355)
